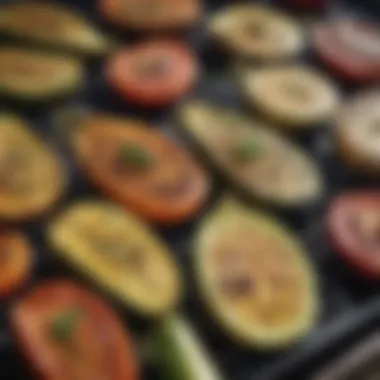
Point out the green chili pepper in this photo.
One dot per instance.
(63, 326)
(135, 156)
(247, 150)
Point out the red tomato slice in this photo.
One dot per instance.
(141, 168)
(351, 49)
(353, 223)
(68, 333)
(154, 73)
(16, 258)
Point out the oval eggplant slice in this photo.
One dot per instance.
(119, 253)
(28, 75)
(357, 133)
(32, 178)
(16, 260)
(140, 168)
(257, 32)
(52, 25)
(295, 97)
(152, 15)
(253, 159)
(66, 332)
(353, 223)
(255, 277)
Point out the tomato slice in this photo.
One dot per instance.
(351, 49)
(68, 333)
(140, 168)
(16, 260)
(353, 222)
(154, 73)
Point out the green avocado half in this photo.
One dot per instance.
(52, 25)
(253, 158)
(255, 277)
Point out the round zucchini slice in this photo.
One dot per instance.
(119, 253)
(29, 75)
(357, 133)
(257, 32)
(32, 177)
(52, 25)
(254, 159)
(295, 97)
(255, 277)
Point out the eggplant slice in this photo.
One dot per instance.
(257, 32)
(255, 277)
(357, 133)
(119, 253)
(32, 177)
(32, 76)
(52, 25)
(295, 97)
(253, 158)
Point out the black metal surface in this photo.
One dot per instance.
(349, 303)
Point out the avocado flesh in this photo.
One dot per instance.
(281, 173)
(255, 277)
(52, 25)
(35, 76)
(179, 353)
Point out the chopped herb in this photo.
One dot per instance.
(63, 326)
(135, 156)
(247, 150)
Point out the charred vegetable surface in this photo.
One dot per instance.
(119, 253)
(255, 277)
(33, 76)
(51, 24)
(32, 178)
(68, 333)
(254, 159)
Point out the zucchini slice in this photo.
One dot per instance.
(32, 177)
(255, 160)
(52, 25)
(119, 253)
(255, 277)
(33, 76)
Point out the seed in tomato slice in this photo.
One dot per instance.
(153, 74)
(353, 223)
(16, 258)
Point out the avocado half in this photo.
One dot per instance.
(179, 353)
(253, 158)
(119, 253)
(54, 26)
(33, 76)
(255, 277)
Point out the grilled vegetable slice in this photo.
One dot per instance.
(152, 15)
(33, 76)
(350, 48)
(16, 259)
(52, 25)
(32, 178)
(255, 160)
(255, 277)
(296, 97)
(119, 253)
(140, 168)
(179, 353)
(155, 73)
(353, 223)
(257, 32)
(357, 133)
(66, 332)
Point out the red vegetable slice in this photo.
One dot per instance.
(353, 223)
(68, 333)
(16, 259)
(154, 73)
(351, 48)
